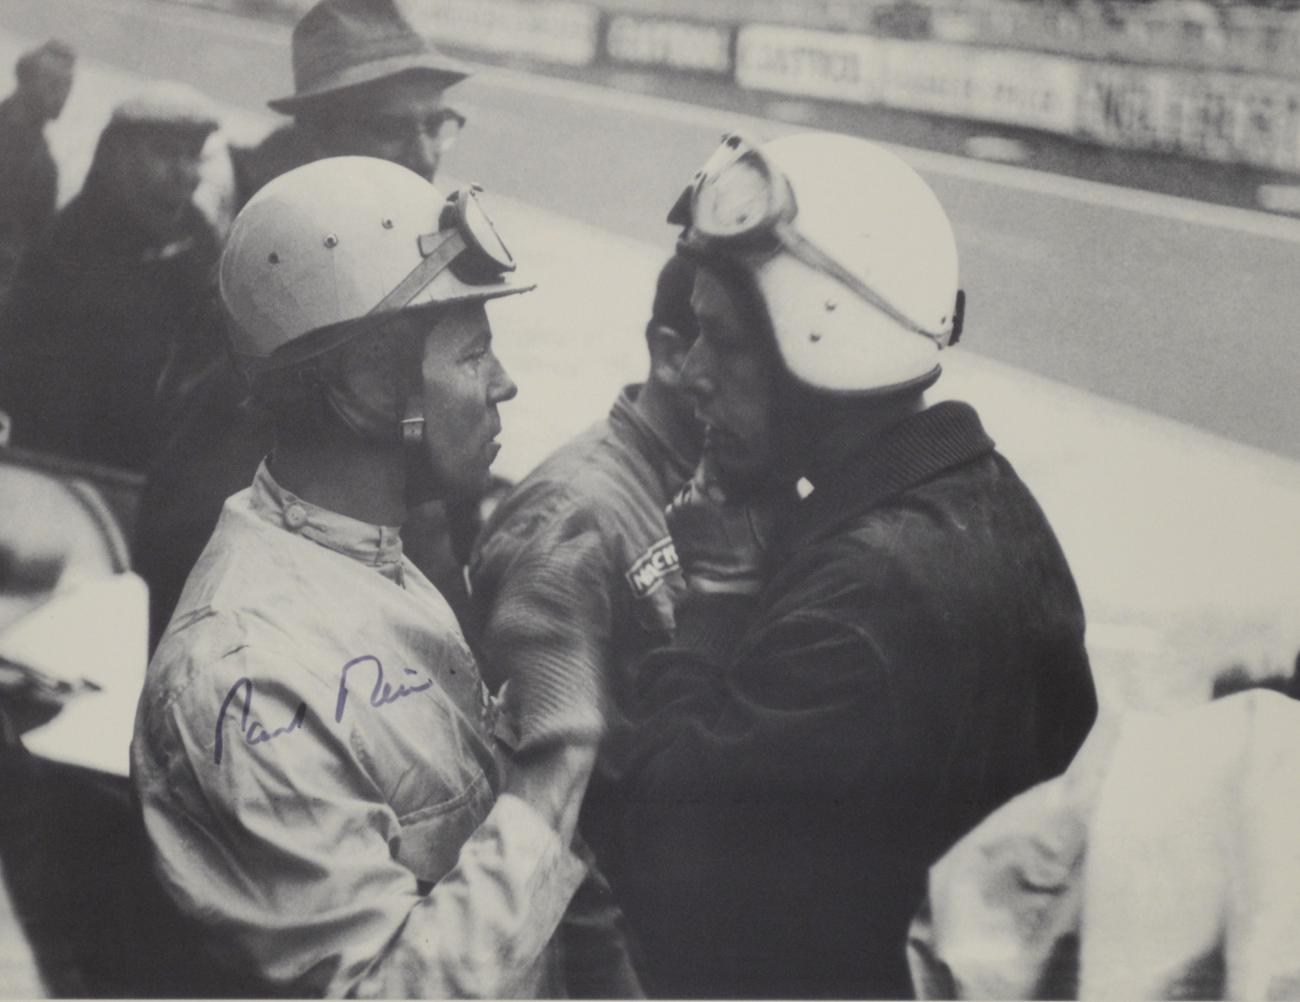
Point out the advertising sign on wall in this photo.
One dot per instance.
(1214, 116)
(555, 31)
(1017, 88)
(669, 43)
(810, 63)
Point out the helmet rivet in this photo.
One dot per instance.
(831, 306)
(331, 240)
(387, 223)
(273, 258)
(814, 337)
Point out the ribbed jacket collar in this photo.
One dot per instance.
(914, 450)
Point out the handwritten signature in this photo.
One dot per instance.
(255, 732)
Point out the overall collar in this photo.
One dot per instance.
(378, 546)
(657, 431)
(916, 449)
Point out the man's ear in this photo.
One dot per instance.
(668, 348)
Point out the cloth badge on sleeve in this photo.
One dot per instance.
(652, 567)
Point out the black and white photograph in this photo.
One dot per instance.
(688, 499)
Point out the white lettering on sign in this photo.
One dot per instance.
(652, 567)
(683, 45)
(813, 63)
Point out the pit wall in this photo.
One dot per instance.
(1170, 76)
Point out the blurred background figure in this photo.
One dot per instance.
(1161, 864)
(617, 476)
(366, 84)
(18, 971)
(120, 283)
(29, 178)
(73, 854)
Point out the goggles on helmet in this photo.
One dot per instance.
(465, 242)
(740, 202)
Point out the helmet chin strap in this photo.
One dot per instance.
(421, 485)
(398, 420)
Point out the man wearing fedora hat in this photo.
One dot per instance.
(366, 83)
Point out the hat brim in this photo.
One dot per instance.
(451, 71)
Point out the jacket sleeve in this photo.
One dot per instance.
(284, 851)
(529, 625)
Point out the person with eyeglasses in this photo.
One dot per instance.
(880, 640)
(366, 84)
(330, 791)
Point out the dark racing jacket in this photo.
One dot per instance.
(914, 660)
(97, 307)
(619, 474)
(29, 187)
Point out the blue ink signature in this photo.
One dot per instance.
(382, 693)
(254, 732)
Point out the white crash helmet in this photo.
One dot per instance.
(848, 249)
(345, 238)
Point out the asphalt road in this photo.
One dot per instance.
(1179, 308)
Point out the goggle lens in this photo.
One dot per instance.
(743, 202)
(479, 232)
(735, 201)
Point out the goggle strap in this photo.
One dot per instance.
(810, 254)
(442, 249)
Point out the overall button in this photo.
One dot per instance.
(295, 516)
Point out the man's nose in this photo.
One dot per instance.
(423, 154)
(502, 388)
(696, 380)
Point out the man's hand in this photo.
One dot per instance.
(553, 781)
(722, 545)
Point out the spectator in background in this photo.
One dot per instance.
(367, 84)
(616, 477)
(121, 280)
(29, 178)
